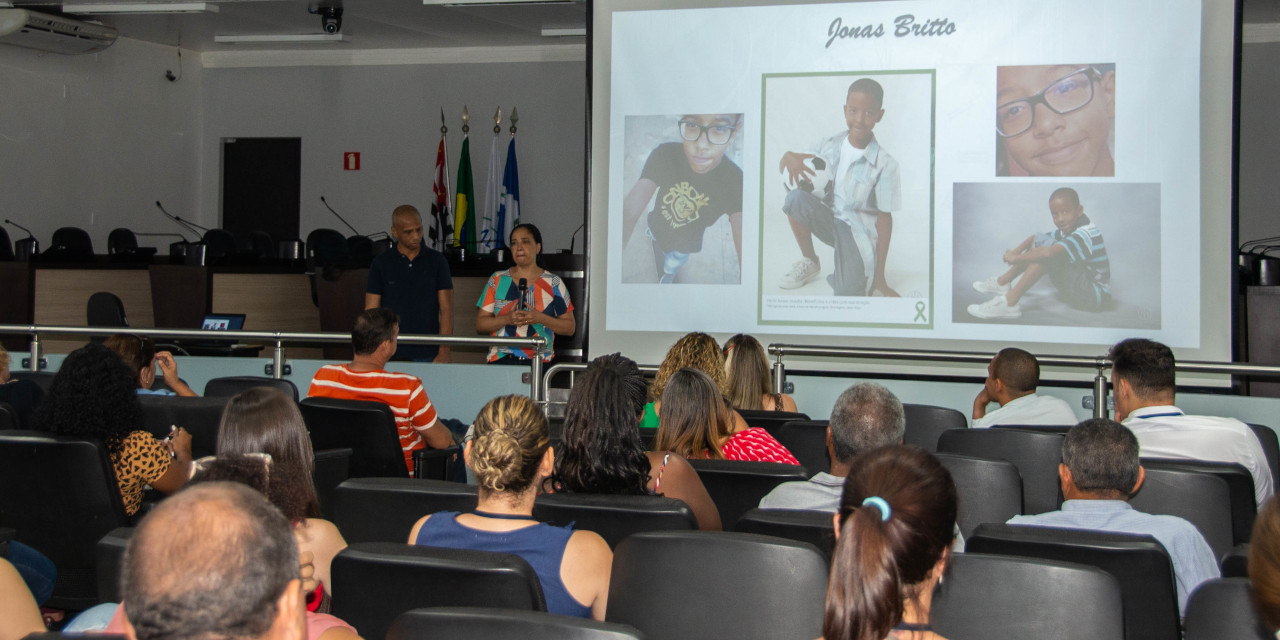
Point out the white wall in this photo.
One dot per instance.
(391, 115)
(94, 140)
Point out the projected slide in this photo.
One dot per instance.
(987, 171)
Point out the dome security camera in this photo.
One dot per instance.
(330, 19)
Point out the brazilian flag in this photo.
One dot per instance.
(464, 215)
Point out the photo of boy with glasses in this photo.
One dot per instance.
(854, 214)
(1055, 120)
(691, 185)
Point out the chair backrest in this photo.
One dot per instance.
(326, 247)
(367, 428)
(1042, 428)
(813, 527)
(1035, 454)
(737, 486)
(121, 240)
(109, 559)
(8, 416)
(228, 386)
(218, 243)
(361, 250)
(201, 417)
(381, 580)
(925, 423)
(384, 509)
(60, 495)
(262, 244)
(41, 378)
(807, 441)
(6, 247)
(987, 490)
(1203, 499)
(1271, 448)
(1236, 563)
(770, 421)
(1139, 563)
(1222, 609)
(332, 468)
(483, 622)
(1239, 488)
(614, 517)
(72, 242)
(713, 584)
(984, 595)
(105, 310)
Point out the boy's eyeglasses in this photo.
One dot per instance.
(1067, 94)
(716, 133)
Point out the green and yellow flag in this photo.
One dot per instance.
(464, 216)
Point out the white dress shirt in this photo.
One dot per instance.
(1030, 409)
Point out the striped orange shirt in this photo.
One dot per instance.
(400, 391)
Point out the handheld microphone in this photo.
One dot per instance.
(575, 235)
(339, 217)
(524, 289)
(177, 220)
(14, 224)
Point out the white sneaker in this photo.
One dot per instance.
(801, 273)
(991, 286)
(996, 307)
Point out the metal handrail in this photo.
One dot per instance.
(572, 368)
(279, 338)
(1098, 363)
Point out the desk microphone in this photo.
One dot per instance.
(14, 224)
(178, 220)
(524, 289)
(339, 217)
(574, 236)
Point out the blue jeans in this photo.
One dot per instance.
(36, 570)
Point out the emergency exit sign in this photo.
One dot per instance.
(351, 161)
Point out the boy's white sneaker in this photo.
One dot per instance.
(995, 308)
(801, 273)
(991, 286)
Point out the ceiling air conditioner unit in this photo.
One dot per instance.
(43, 32)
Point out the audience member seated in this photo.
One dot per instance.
(94, 396)
(19, 614)
(866, 416)
(1264, 565)
(696, 423)
(22, 395)
(748, 383)
(1142, 375)
(373, 337)
(139, 352)
(511, 456)
(1012, 378)
(893, 533)
(1099, 471)
(601, 450)
(693, 350)
(263, 420)
(217, 561)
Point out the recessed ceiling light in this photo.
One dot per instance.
(140, 7)
(283, 38)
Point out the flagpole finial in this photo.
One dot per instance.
(497, 121)
(443, 129)
(466, 118)
(513, 119)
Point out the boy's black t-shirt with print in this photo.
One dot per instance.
(687, 202)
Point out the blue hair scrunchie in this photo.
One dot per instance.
(881, 504)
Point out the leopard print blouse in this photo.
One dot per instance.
(141, 460)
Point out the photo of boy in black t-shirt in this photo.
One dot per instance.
(691, 185)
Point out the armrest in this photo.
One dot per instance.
(435, 464)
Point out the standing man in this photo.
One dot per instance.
(414, 281)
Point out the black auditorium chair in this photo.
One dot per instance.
(1222, 609)
(60, 496)
(807, 441)
(41, 378)
(120, 241)
(484, 622)
(367, 428)
(813, 527)
(261, 244)
(436, 464)
(228, 386)
(105, 310)
(1036, 455)
(770, 420)
(1239, 488)
(1061, 429)
(713, 585)
(70, 243)
(332, 468)
(326, 247)
(925, 423)
(385, 509)
(982, 595)
(614, 517)
(1236, 563)
(8, 417)
(6, 247)
(1202, 499)
(201, 417)
(737, 486)
(360, 248)
(1138, 562)
(988, 490)
(381, 580)
(1271, 448)
(109, 558)
(218, 244)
